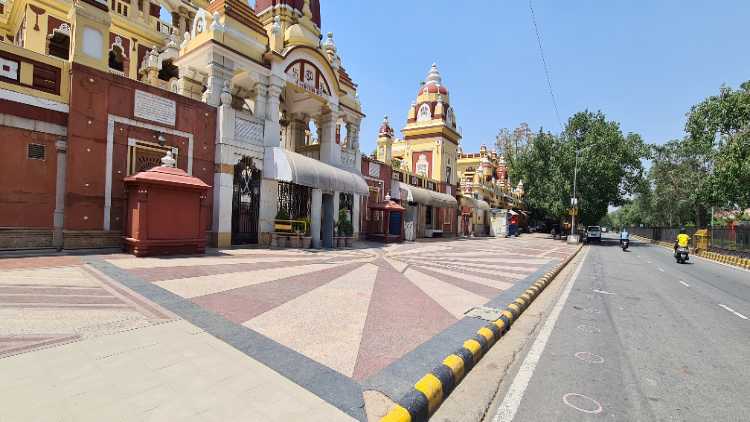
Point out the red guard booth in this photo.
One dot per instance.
(391, 226)
(166, 212)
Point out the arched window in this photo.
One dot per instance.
(311, 134)
(116, 58)
(342, 136)
(58, 42)
(424, 113)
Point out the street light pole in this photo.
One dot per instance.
(573, 237)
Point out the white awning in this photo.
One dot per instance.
(469, 202)
(426, 196)
(287, 166)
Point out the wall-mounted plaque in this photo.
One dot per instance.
(155, 108)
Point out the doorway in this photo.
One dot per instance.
(245, 203)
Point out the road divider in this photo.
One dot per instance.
(433, 388)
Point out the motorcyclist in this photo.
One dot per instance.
(683, 240)
(624, 235)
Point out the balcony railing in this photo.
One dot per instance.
(120, 7)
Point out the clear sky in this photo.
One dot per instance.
(643, 63)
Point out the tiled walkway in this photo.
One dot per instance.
(355, 311)
(329, 321)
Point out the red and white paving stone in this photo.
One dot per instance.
(87, 348)
(355, 311)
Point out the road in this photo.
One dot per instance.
(638, 338)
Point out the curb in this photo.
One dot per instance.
(731, 260)
(433, 388)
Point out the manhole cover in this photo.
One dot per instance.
(484, 312)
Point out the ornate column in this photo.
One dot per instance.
(272, 134)
(261, 100)
(218, 73)
(58, 219)
(330, 151)
(224, 173)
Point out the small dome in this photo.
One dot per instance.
(385, 128)
(434, 83)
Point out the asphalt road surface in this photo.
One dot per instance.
(638, 337)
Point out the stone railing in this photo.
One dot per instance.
(30, 73)
(348, 159)
(248, 129)
(312, 151)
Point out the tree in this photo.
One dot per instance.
(609, 166)
(717, 131)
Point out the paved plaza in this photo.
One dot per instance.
(315, 327)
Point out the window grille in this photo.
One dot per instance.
(36, 152)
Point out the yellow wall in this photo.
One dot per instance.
(26, 73)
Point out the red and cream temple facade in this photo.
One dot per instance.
(254, 102)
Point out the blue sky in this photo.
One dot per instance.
(643, 63)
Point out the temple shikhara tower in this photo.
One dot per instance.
(255, 102)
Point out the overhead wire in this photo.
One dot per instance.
(544, 64)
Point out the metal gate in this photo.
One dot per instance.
(245, 203)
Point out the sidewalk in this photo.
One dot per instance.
(166, 372)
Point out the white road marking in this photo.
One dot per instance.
(508, 408)
(733, 311)
(660, 269)
(604, 292)
(649, 262)
(684, 284)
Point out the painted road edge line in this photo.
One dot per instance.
(510, 404)
(433, 388)
(733, 311)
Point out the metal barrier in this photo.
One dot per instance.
(735, 239)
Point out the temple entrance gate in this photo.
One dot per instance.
(245, 203)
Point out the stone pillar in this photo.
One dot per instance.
(222, 215)
(272, 135)
(224, 176)
(59, 215)
(315, 216)
(261, 101)
(219, 71)
(355, 216)
(269, 203)
(327, 221)
(330, 151)
(89, 40)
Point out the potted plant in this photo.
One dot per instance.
(345, 229)
(307, 238)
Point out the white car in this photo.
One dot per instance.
(593, 234)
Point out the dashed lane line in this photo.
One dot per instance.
(512, 401)
(684, 284)
(733, 311)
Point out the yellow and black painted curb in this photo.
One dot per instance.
(432, 389)
(726, 259)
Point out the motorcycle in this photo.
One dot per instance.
(682, 255)
(624, 243)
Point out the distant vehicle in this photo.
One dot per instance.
(593, 234)
(624, 243)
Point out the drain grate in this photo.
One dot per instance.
(484, 312)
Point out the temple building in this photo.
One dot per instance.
(485, 182)
(424, 161)
(255, 102)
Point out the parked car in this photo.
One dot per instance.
(605, 230)
(593, 234)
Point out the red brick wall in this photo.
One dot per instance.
(96, 95)
(27, 187)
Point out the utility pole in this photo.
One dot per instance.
(573, 237)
